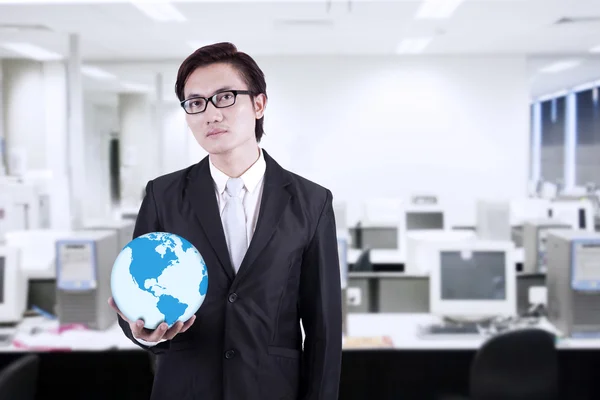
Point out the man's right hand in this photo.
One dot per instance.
(160, 333)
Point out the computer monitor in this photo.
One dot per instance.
(424, 220)
(577, 213)
(13, 286)
(417, 252)
(379, 237)
(473, 280)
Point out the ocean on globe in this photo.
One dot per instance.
(159, 277)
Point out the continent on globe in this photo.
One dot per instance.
(159, 277)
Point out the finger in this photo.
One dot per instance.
(187, 324)
(174, 330)
(137, 329)
(158, 333)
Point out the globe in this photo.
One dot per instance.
(159, 277)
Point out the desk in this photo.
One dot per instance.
(417, 369)
(82, 364)
(413, 370)
(403, 330)
(39, 333)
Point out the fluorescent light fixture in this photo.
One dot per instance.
(161, 11)
(413, 45)
(560, 66)
(595, 49)
(96, 73)
(437, 9)
(31, 51)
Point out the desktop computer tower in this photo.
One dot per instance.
(84, 264)
(535, 234)
(573, 282)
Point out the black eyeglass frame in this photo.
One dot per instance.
(213, 100)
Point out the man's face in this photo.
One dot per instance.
(220, 130)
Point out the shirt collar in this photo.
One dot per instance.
(251, 177)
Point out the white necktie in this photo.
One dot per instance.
(234, 222)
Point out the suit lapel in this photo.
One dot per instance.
(204, 203)
(274, 200)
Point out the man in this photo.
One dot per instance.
(268, 238)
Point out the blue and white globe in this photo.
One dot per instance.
(159, 277)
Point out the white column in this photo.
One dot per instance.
(570, 141)
(3, 158)
(159, 115)
(76, 141)
(139, 146)
(536, 142)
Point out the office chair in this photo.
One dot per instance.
(516, 365)
(18, 380)
(363, 263)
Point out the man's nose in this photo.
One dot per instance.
(213, 114)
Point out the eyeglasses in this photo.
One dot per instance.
(223, 99)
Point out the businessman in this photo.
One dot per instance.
(268, 238)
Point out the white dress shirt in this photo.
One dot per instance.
(253, 180)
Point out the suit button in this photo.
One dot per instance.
(232, 297)
(229, 354)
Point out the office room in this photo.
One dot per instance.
(423, 179)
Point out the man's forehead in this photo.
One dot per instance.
(207, 81)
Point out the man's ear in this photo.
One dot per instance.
(260, 104)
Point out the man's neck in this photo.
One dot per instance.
(237, 161)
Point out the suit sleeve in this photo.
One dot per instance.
(320, 306)
(146, 222)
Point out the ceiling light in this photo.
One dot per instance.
(97, 73)
(437, 9)
(595, 49)
(413, 45)
(161, 11)
(31, 51)
(560, 66)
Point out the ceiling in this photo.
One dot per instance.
(114, 32)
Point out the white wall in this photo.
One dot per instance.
(371, 127)
(180, 149)
(386, 127)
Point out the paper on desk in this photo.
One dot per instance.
(368, 342)
(74, 339)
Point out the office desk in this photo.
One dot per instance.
(418, 369)
(39, 333)
(82, 364)
(414, 369)
(403, 329)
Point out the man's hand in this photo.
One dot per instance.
(160, 333)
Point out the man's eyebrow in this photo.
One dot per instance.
(193, 94)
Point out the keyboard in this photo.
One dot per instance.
(467, 329)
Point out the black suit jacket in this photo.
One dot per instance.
(246, 342)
